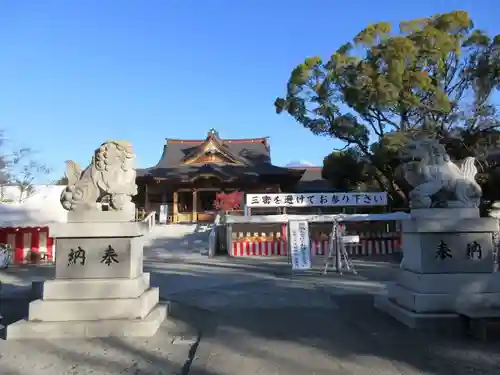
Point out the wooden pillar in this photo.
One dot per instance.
(174, 207)
(195, 205)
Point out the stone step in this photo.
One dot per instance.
(93, 309)
(485, 329)
(440, 302)
(483, 324)
(146, 327)
(451, 283)
(450, 323)
(64, 289)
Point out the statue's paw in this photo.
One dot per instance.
(118, 201)
(67, 197)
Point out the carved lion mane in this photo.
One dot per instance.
(427, 150)
(429, 169)
(111, 175)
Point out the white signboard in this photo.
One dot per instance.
(316, 199)
(300, 250)
(162, 219)
(350, 239)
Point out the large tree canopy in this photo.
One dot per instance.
(434, 74)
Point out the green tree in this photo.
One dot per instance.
(435, 75)
(346, 170)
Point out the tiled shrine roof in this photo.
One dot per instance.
(245, 157)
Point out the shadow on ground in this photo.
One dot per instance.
(174, 241)
(342, 334)
(243, 316)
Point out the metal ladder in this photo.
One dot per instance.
(337, 251)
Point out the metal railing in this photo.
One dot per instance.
(150, 221)
(496, 250)
(212, 238)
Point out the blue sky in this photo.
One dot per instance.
(74, 73)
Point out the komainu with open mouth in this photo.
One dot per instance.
(428, 168)
(111, 174)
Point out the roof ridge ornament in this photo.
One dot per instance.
(213, 132)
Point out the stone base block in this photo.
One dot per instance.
(96, 229)
(451, 283)
(445, 213)
(451, 245)
(440, 302)
(94, 309)
(99, 258)
(1, 317)
(420, 303)
(146, 327)
(125, 216)
(483, 324)
(79, 289)
(485, 329)
(448, 252)
(452, 323)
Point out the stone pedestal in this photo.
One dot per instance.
(99, 290)
(1, 317)
(447, 266)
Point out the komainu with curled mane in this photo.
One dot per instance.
(429, 169)
(110, 176)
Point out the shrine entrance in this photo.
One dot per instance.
(205, 204)
(196, 203)
(207, 199)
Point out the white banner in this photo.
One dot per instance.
(316, 199)
(350, 239)
(300, 250)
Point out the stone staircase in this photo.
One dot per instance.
(177, 241)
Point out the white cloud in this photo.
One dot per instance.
(299, 163)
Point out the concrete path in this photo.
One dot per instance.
(296, 326)
(307, 323)
(349, 339)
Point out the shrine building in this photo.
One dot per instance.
(190, 173)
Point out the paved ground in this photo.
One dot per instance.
(243, 317)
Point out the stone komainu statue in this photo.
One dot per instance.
(429, 169)
(110, 176)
